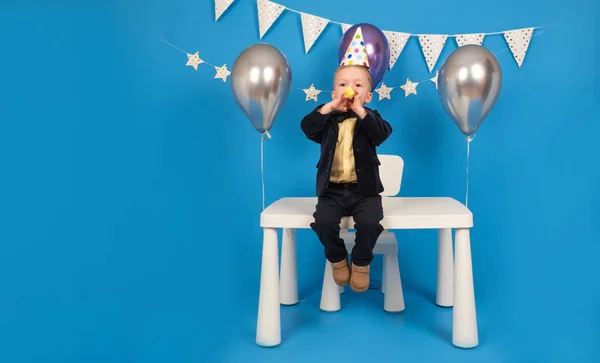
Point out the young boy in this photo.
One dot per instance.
(348, 182)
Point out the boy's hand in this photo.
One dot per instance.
(340, 104)
(357, 106)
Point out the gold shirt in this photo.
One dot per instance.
(342, 170)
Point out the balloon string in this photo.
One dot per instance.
(262, 165)
(469, 139)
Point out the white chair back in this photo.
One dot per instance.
(390, 172)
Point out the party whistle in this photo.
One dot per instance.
(349, 92)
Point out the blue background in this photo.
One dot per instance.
(130, 190)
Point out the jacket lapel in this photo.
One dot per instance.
(359, 124)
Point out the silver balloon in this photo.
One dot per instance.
(261, 80)
(469, 82)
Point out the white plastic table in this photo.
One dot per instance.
(455, 276)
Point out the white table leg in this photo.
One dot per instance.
(445, 269)
(464, 319)
(384, 275)
(330, 292)
(393, 301)
(288, 278)
(268, 327)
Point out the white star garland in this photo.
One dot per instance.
(222, 72)
(384, 91)
(311, 93)
(409, 87)
(194, 60)
(434, 79)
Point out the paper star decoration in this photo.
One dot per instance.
(409, 87)
(222, 72)
(384, 92)
(311, 93)
(194, 60)
(435, 79)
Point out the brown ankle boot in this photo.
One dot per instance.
(359, 282)
(341, 272)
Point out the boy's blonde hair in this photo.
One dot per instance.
(369, 77)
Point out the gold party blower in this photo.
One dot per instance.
(349, 92)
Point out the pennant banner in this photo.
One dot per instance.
(431, 44)
(384, 91)
(268, 12)
(518, 42)
(221, 6)
(396, 42)
(464, 39)
(312, 27)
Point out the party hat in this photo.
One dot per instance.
(356, 54)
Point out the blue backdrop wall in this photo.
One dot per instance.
(130, 190)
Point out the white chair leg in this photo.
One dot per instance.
(384, 275)
(394, 297)
(464, 317)
(268, 327)
(288, 280)
(330, 293)
(445, 269)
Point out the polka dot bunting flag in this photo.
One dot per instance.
(356, 54)
(518, 41)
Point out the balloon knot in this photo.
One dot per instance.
(266, 133)
(470, 138)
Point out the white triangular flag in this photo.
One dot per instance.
(268, 12)
(518, 41)
(312, 27)
(345, 28)
(464, 39)
(396, 42)
(432, 45)
(221, 6)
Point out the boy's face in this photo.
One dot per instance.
(356, 77)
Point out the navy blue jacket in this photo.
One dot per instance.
(369, 133)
